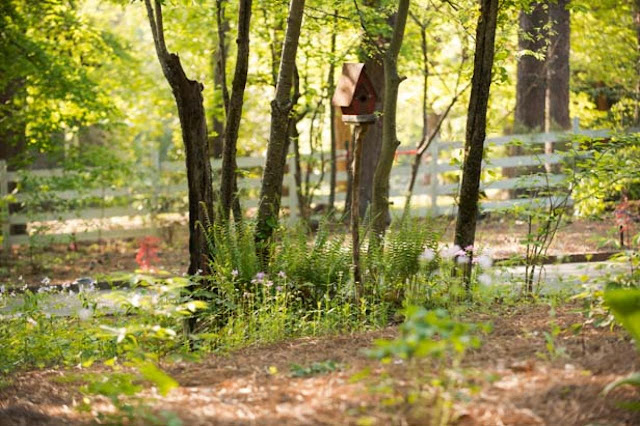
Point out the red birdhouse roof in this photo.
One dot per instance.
(347, 84)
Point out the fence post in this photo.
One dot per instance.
(156, 166)
(4, 192)
(575, 125)
(434, 151)
(293, 199)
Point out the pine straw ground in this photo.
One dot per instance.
(242, 388)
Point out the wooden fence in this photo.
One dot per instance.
(434, 193)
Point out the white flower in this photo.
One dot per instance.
(32, 321)
(234, 273)
(268, 283)
(2, 289)
(451, 252)
(46, 280)
(282, 275)
(135, 300)
(484, 261)
(84, 314)
(484, 279)
(462, 260)
(428, 254)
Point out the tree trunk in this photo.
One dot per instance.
(220, 82)
(228, 185)
(332, 117)
(373, 137)
(476, 128)
(531, 83)
(380, 198)
(558, 68)
(188, 96)
(636, 20)
(271, 191)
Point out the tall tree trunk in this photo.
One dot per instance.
(332, 116)
(380, 199)
(271, 190)
(476, 128)
(558, 67)
(636, 20)
(220, 82)
(531, 83)
(188, 96)
(373, 137)
(228, 185)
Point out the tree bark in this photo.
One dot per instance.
(273, 174)
(188, 96)
(476, 128)
(332, 117)
(373, 137)
(531, 80)
(228, 185)
(220, 82)
(636, 20)
(558, 68)
(380, 198)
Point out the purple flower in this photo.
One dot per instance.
(234, 273)
(282, 275)
(268, 284)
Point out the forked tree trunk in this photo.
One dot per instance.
(476, 128)
(380, 199)
(228, 185)
(558, 65)
(188, 96)
(273, 174)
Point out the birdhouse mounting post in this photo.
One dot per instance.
(356, 96)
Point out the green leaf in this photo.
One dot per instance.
(155, 375)
(632, 379)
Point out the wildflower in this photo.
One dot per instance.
(484, 279)
(428, 254)
(462, 259)
(268, 283)
(259, 277)
(32, 321)
(451, 252)
(234, 273)
(469, 248)
(135, 300)
(282, 275)
(279, 288)
(84, 314)
(484, 261)
(2, 289)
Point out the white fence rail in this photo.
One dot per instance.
(434, 192)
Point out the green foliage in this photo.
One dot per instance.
(625, 304)
(606, 171)
(430, 334)
(314, 369)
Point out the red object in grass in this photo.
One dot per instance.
(147, 254)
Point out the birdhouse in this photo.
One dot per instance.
(355, 95)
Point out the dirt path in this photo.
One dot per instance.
(516, 379)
